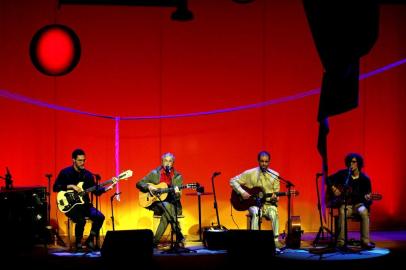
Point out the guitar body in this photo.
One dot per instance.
(240, 204)
(258, 197)
(145, 199)
(66, 200)
(333, 201)
(294, 236)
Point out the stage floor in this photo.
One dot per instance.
(390, 248)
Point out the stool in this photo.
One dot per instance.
(155, 223)
(249, 217)
(68, 225)
(354, 217)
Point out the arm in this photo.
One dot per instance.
(236, 183)
(144, 185)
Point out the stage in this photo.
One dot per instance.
(390, 247)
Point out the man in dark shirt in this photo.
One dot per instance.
(351, 189)
(71, 183)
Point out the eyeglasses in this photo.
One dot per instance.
(354, 161)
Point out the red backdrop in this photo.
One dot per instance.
(136, 61)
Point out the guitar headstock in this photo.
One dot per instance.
(376, 196)
(125, 175)
(193, 185)
(294, 192)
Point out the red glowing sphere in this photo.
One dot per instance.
(55, 50)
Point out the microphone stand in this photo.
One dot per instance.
(175, 248)
(322, 227)
(289, 185)
(345, 198)
(52, 233)
(98, 178)
(215, 200)
(111, 206)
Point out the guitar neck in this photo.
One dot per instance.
(93, 188)
(166, 190)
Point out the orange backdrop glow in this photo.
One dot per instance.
(136, 61)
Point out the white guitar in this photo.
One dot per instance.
(66, 200)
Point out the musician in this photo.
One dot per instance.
(266, 179)
(70, 178)
(171, 206)
(352, 189)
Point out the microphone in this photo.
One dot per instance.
(97, 176)
(48, 175)
(36, 199)
(216, 173)
(167, 169)
(8, 174)
(319, 174)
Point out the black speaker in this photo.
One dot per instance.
(251, 243)
(215, 239)
(128, 245)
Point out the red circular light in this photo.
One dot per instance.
(55, 50)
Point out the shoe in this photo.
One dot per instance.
(90, 245)
(340, 244)
(368, 246)
(78, 247)
(278, 244)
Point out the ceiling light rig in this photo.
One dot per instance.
(182, 13)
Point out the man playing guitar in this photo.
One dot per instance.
(78, 179)
(268, 181)
(351, 189)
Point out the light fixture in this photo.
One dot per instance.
(243, 1)
(182, 13)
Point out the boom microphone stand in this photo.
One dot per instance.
(289, 185)
(175, 247)
(215, 200)
(111, 206)
(345, 198)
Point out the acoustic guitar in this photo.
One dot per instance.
(333, 201)
(67, 200)
(258, 196)
(145, 199)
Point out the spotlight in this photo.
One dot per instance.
(243, 1)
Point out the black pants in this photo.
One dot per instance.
(78, 215)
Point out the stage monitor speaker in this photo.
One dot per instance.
(128, 245)
(251, 243)
(215, 239)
